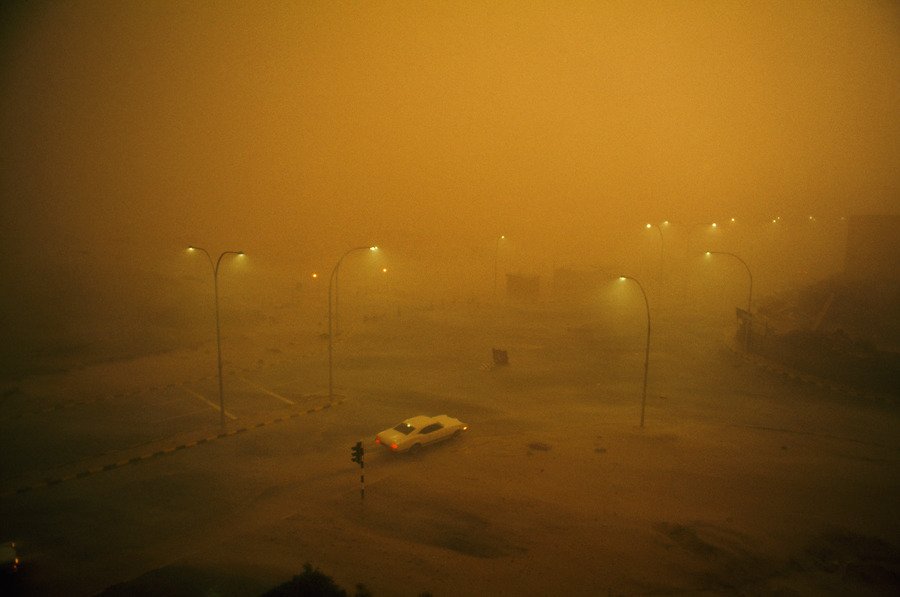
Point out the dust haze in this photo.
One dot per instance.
(510, 161)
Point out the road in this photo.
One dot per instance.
(119, 477)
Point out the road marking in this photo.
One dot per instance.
(203, 399)
(265, 390)
(50, 482)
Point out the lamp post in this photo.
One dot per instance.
(215, 269)
(496, 258)
(650, 225)
(333, 282)
(647, 349)
(749, 293)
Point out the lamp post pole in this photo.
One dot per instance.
(332, 282)
(647, 348)
(496, 258)
(215, 269)
(661, 241)
(749, 293)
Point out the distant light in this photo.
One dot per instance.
(315, 275)
(773, 221)
(384, 270)
(240, 253)
(732, 219)
(647, 226)
(714, 225)
(373, 248)
(502, 237)
(708, 253)
(191, 249)
(666, 222)
(622, 278)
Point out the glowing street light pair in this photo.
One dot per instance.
(215, 269)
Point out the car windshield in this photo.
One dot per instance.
(404, 428)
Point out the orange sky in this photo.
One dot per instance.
(323, 124)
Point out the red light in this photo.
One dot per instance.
(377, 440)
(394, 446)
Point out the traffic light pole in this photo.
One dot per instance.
(356, 455)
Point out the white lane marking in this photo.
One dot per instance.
(265, 390)
(211, 404)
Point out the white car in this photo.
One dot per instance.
(416, 432)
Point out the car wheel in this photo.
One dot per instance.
(415, 448)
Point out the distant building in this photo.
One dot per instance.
(575, 283)
(873, 248)
(527, 288)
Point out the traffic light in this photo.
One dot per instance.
(357, 453)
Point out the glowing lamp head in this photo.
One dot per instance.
(647, 226)
(714, 225)
(373, 248)
(315, 275)
(708, 253)
(622, 278)
(384, 270)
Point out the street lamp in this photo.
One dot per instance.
(496, 258)
(334, 276)
(749, 293)
(647, 349)
(333, 282)
(648, 226)
(215, 269)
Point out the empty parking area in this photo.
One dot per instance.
(46, 433)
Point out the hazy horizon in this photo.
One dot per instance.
(295, 131)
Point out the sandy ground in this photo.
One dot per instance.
(740, 481)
